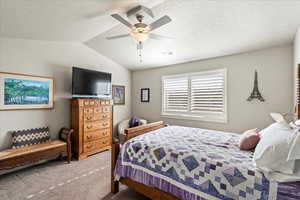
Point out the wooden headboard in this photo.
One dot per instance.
(139, 130)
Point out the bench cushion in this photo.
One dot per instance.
(12, 153)
(23, 138)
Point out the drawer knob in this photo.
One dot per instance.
(104, 116)
(89, 137)
(89, 118)
(89, 146)
(105, 124)
(89, 126)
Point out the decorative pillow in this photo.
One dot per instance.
(249, 139)
(271, 153)
(277, 117)
(29, 137)
(134, 121)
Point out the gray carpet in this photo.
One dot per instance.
(87, 179)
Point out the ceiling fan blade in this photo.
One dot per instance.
(122, 20)
(160, 22)
(158, 37)
(117, 36)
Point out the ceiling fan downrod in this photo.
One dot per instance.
(139, 18)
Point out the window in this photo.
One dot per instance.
(196, 96)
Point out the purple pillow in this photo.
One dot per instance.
(133, 122)
(249, 139)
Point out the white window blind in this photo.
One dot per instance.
(176, 94)
(207, 92)
(196, 96)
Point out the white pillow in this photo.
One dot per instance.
(271, 153)
(294, 152)
(279, 118)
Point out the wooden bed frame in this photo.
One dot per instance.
(147, 191)
(151, 192)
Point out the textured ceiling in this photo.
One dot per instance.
(204, 28)
(201, 28)
(61, 20)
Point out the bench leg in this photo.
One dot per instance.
(69, 154)
(61, 157)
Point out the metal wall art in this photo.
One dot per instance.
(255, 92)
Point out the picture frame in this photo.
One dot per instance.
(118, 94)
(145, 95)
(25, 92)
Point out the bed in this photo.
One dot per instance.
(174, 162)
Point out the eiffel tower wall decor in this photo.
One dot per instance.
(255, 92)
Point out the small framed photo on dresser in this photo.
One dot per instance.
(145, 95)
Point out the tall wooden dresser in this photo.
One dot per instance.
(92, 124)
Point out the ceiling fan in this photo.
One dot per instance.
(140, 31)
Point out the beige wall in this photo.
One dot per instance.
(274, 65)
(54, 59)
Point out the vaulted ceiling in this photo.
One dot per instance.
(200, 29)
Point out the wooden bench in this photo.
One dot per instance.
(11, 158)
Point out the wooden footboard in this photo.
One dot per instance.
(130, 133)
(150, 192)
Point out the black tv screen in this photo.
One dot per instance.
(90, 83)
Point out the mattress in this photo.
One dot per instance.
(196, 164)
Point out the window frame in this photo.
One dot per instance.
(205, 116)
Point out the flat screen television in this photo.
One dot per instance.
(90, 83)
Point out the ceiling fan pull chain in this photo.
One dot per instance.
(139, 48)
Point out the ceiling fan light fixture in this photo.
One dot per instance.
(140, 36)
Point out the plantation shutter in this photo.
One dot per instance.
(207, 92)
(176, 94)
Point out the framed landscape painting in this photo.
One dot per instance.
(20, 91)
(118, 94)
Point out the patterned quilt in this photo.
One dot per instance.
(203, 163)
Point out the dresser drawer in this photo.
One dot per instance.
(92, 126)
(88, 111)
(106, 109)
(96, 117)
(96, 125)
(105, 133)
(86, 102)
(97, 110)
(94, 135)
(105, 123)
(91, 102)
(105, 116)
(90, 146)
(90, 117)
